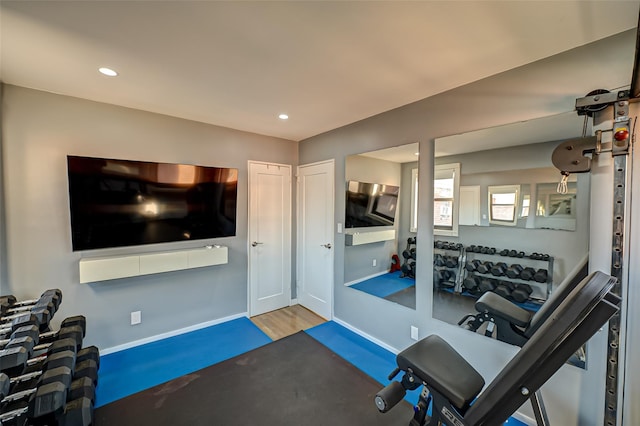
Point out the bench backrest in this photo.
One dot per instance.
(578, 317)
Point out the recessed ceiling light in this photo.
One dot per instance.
(416, 153)
(108, 72)
(283, 117)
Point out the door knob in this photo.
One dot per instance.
(255, 243)
(328, 245)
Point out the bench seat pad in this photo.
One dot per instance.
(497, 305)
(444, 370)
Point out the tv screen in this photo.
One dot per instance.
(370, 204)
(115, 203)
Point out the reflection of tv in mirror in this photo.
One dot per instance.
(115, 203)
(370, 204)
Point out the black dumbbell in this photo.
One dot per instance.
(504, 252)
(471, 283)
(39, 319)
(471, 265)
(70, 325)
(46, 392)
(498, 269)
(9, 303)
(513, 271)
(470, 249)
(541, 276)
(487, 284)
(503, 288)
(485, 267)
(491, 250)
(438, 260)
(477, 249)
(527, 273)
(437, 244)
(521, 292)
(535, 256)
(450, 261)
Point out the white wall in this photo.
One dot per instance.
(546, 87)
(39, 130)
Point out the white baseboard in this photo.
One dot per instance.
(359, 280)
(366, 336)
(170, 334)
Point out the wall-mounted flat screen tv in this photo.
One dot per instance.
(116, 203)
(370, 204)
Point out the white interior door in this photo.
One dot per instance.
(269, 237)
(315, 237)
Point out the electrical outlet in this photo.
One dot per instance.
(136, 317)
(414, 333)
(375, 262)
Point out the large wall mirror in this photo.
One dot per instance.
(380, 223)
(500, 224)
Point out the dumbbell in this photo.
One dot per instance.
(503, 288)
(68, 326)
(521, 292)
(499, 269)
(438, 260)
(11, 302)
(486, 284)
(484, 267)
(23, 320)
(471, 265)
(527, 273)
(471, 283)
(50, 299)
(437, 244)
(43, 311)
(408, 268)
(477, 249)
(48, 392)
(504, 252)
(17, 361)
(442, 277)
(513, 271)
(450, 261)
(83, 365)
(541, 276)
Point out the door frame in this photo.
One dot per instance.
(299, 245)
(288, 228)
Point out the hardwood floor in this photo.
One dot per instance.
(286, 321)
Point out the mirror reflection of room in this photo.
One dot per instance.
(501, 227)
(380, 223)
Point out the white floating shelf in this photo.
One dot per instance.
(368, 237)
(95, 269)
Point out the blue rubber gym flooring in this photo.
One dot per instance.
(133, 370)
(385, 285)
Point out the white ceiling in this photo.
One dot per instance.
(239, 64)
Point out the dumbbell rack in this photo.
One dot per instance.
(453, 251)
(461, 272)
(549, 267)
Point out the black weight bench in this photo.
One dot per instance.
(452, 387)
(515, 325)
